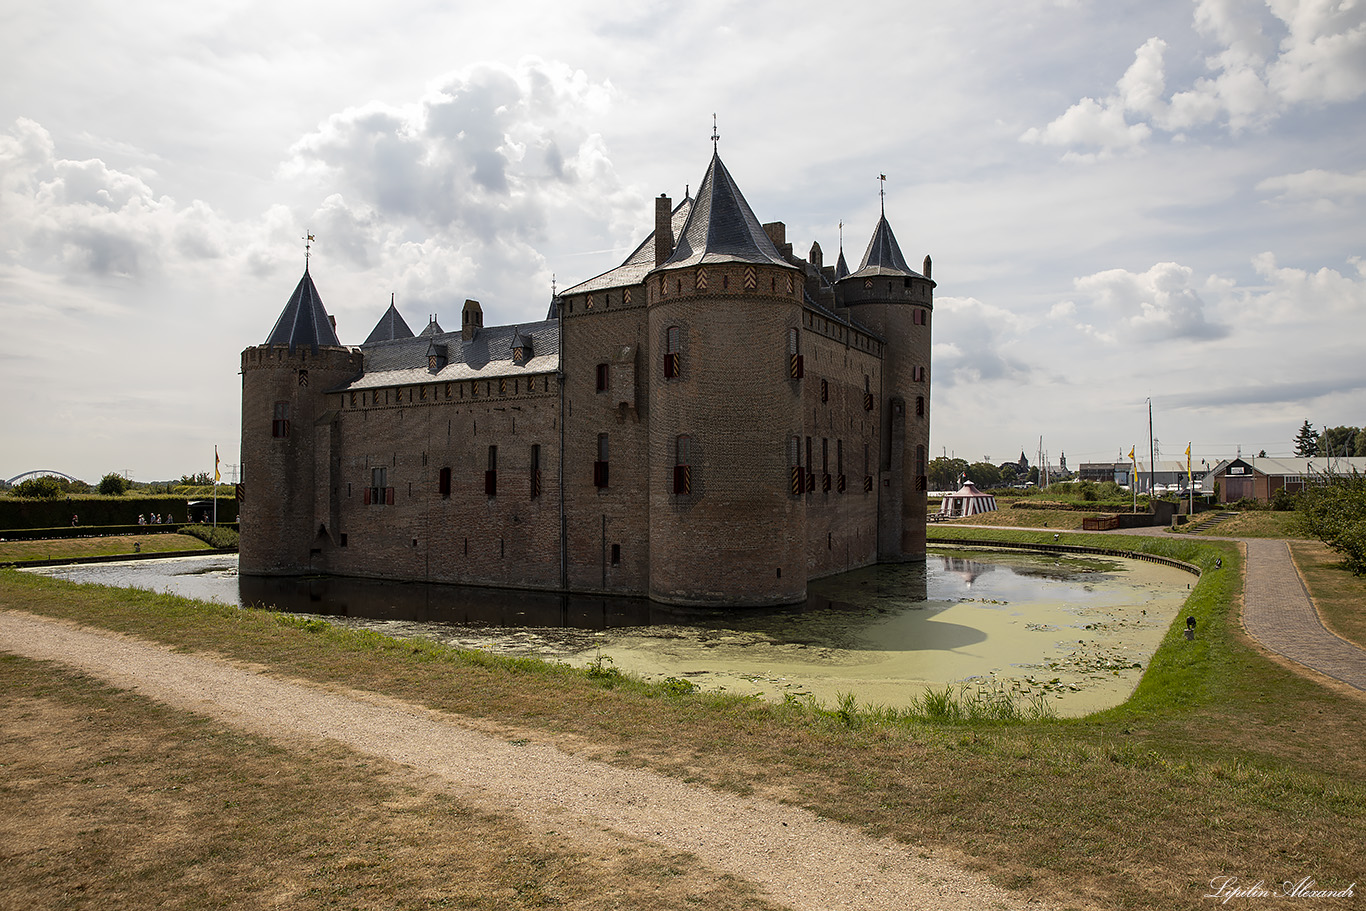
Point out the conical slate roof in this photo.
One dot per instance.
(391, 326)
(304, 321)
(841, 267)
(721, 227)
(883, 256)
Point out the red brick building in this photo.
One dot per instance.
(714, 421)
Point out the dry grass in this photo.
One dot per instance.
(110, 801)
(105, 546)
(1223, 762)
(1339, 596)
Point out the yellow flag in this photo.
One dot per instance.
(1131, 451)
(216, 476)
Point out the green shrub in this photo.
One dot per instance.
(214, 536)
(113, 485)
(44, 488)
(1334, 511)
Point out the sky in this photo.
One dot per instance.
(1126, 203)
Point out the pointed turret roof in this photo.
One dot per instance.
(883, 256)
(433, 328)
(304, 321)
(721, 227)
(391, 326)
(841, 267)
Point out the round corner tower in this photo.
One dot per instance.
(725, 527)
(286, 451)
(887, 296)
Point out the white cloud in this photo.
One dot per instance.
(1323, 191)
(977, 343)
(1254, 78)
(1157, 305)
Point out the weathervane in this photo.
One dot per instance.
(882, 192)
(715, 136)
(308, 246)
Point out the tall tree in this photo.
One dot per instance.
(1307, 441)
(1337, 441)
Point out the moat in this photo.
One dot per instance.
(1077, 630)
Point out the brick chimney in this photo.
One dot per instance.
(471, 319)
(664, 228)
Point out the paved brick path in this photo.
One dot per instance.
(1277, 613)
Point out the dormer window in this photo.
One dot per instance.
(436, 357)
(521, 348)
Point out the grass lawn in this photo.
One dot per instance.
(107, 546)
(1258, 523)
(1222, 763)
(1339, 595)
(1020, 518)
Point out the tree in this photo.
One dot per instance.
(1334, 511)
(1338, 441)
(41, 488)
(1307, 441)
(944, 473)
(113, 485)
(984, 474)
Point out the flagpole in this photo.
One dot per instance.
(215, 487)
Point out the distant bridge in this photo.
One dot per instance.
(39, 473)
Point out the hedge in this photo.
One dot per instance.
(18, 513)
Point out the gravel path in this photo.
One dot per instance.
(797, 858)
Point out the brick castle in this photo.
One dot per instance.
(713, 422)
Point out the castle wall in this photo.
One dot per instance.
(841, 390)
(900, 309)
(415, 527)
(738, 534)
(607, 523)
(281, 403)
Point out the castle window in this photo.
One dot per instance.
(279, 426)
(918, 374)
(616, 554)
(796, 368)
(535, 470)
(825, 391)
(839, 465)
(919, 316)
(673, 350)
(604, 377)
(920, 406)
(683, 465)
(443, 482)
(825, 465)
(810, 475)
(379, 493)
(600, 466)
(921, 480)
(794, 462)
(491, 474)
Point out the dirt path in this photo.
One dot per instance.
(797, 859)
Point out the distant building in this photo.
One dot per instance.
(1260, 478)
(714, 421)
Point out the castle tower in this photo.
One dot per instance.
(725, 527)
(887, 296)
(288, 466)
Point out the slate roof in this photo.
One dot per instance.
(883, 256)
(304, 321)
(841, 267)
(390, 326)
(402, 362)
(639, 264)
(433, 329)
(721, 228)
